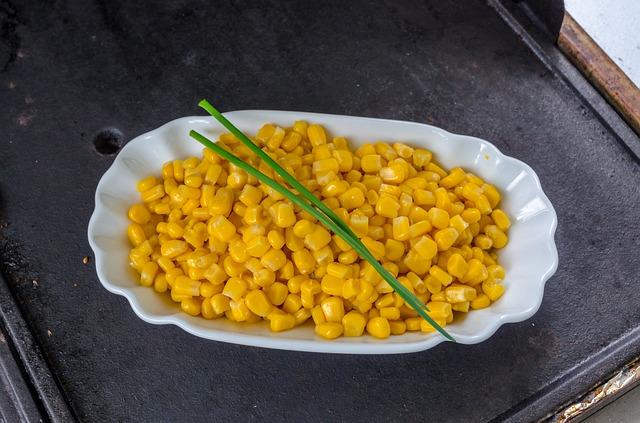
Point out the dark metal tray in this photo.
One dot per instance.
(68, 70)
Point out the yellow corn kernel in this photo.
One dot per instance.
(500, 218)
(283, 215)
(455, 177)
(394, 250)
(499, 238)
(419, 228)
(258, 303)
(471, 191)
(352, 198)
(359, 223)
(277, 293)
(440, 310)
(257, 246)
(136, 234)
(319, 238)
(371, 163)
(332, 285)
(457, 266)
(138, 213)
(348, 257)
(387, 206)
(397, 327)
(439, 218)
(220, 303)
(173, 248)
(191, 306)
(301, 316)
(440, 275)
(333, 309)
(316, 135)
(304, 261)
(153, 194)
(250, 195)
(344, 159)
(376, 248)
(323, 256)
(386, 300)
(292, 303)
(339, 270)
(350, 289)
(492, 194)
(379, 327)
(148, 273)
(390, 313)
(273, 259)
(401, 228)
(318, 315)
(483, 242)
(329, 330)
(393, 174)
(235, 288)
(276, 239)
(483, 205)
(481, 301)
(281, 321)
(416, 263)
(476, 273)
(426, 247)
(458, 223)
(427, 327)
(413, 323)
(221, 228)
(421, 158)
(353, 323)
(459, 293)
(303, 227)
(424, 198)
(208, 289)
(445, 238)
(496, 272)
(147, 183)
(471, 215)
(492, 289)
(433, 285)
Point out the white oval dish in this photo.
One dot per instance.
(530, 258)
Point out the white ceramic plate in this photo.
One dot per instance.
(530, 258)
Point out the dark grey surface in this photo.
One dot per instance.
(73, 69)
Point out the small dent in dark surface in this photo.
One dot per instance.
(108, 141)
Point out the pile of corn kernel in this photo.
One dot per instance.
(223, 244)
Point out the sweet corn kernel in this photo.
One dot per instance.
(401, 228)
(277, 293)
(481, 301)
(457, 266)
(499, 238)
(329, 330)
(426, 247)
(500, 218)
(378, 327)
(316, 135)
(387, 206)
(492, 290)
(317, 239)
(459, 293)
(258, 303)
(445, 238)
(281, 322)
(273, 259)
(439, 218)
(235, 288)
(353, 323)
(419, 228)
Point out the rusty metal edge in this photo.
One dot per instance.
(521, 20)
(598, 67)
(41, 382)
(622, 382)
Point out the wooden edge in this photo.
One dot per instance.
(603, 73)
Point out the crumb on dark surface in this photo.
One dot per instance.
(49, 333)
(34, 282)
(86, 259)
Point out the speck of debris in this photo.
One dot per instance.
(2, 338)
(486, 157)
(86, 259)
(75, 284)
(21, 54)
(12, 85)
(24, 119)
(49, 333)
(533, 324)
(34, 282)
(28, 99)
